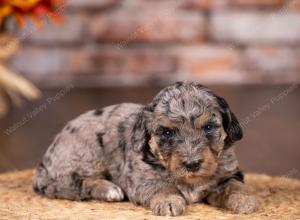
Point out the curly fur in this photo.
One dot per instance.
(175, 151)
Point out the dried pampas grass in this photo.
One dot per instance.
(12, 86)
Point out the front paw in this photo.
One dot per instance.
(242, 203)
(172, 205)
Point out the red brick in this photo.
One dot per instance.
(272, 65)
(274, 78)
(136, 66)
(45, 62)
(242, 4)
(251, 27)
(151, 62)
(49, 65)
(132, 61)
(151, 4)
(256, 3)
(92, 4)
(151, 26)
(70, 31)
(36, 61)
(209, 63)
(294, 5)
(201, 59)
(270, 59)
(198, 4)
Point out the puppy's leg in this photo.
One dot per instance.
(233, 196)
(64, 186)
(75, 187)
(101, 189)
(168, 202)
(81, 189)
(159, 197)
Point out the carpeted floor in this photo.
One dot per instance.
(279, 197)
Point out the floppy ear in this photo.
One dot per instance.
(230, 123)
(140, 134)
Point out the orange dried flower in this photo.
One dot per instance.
(36, 9)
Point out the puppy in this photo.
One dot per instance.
(175, 151)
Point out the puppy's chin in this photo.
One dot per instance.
(194, 180)
(194, 177)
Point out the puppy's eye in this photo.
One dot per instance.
(208, 128)
(168, 133)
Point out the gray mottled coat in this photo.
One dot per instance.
(147, 154)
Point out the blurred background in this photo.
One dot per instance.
(61, 58)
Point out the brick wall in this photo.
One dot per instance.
(134, 42)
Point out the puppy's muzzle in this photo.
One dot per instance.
(192, 166)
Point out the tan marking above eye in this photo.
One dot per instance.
(166, 122)
(202, 120)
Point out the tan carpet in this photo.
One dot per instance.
(279, 197)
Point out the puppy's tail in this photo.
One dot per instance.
(40, 180)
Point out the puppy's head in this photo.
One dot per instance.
(188, 127)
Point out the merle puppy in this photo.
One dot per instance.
(175, 151)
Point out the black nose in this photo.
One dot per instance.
(192, 166)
